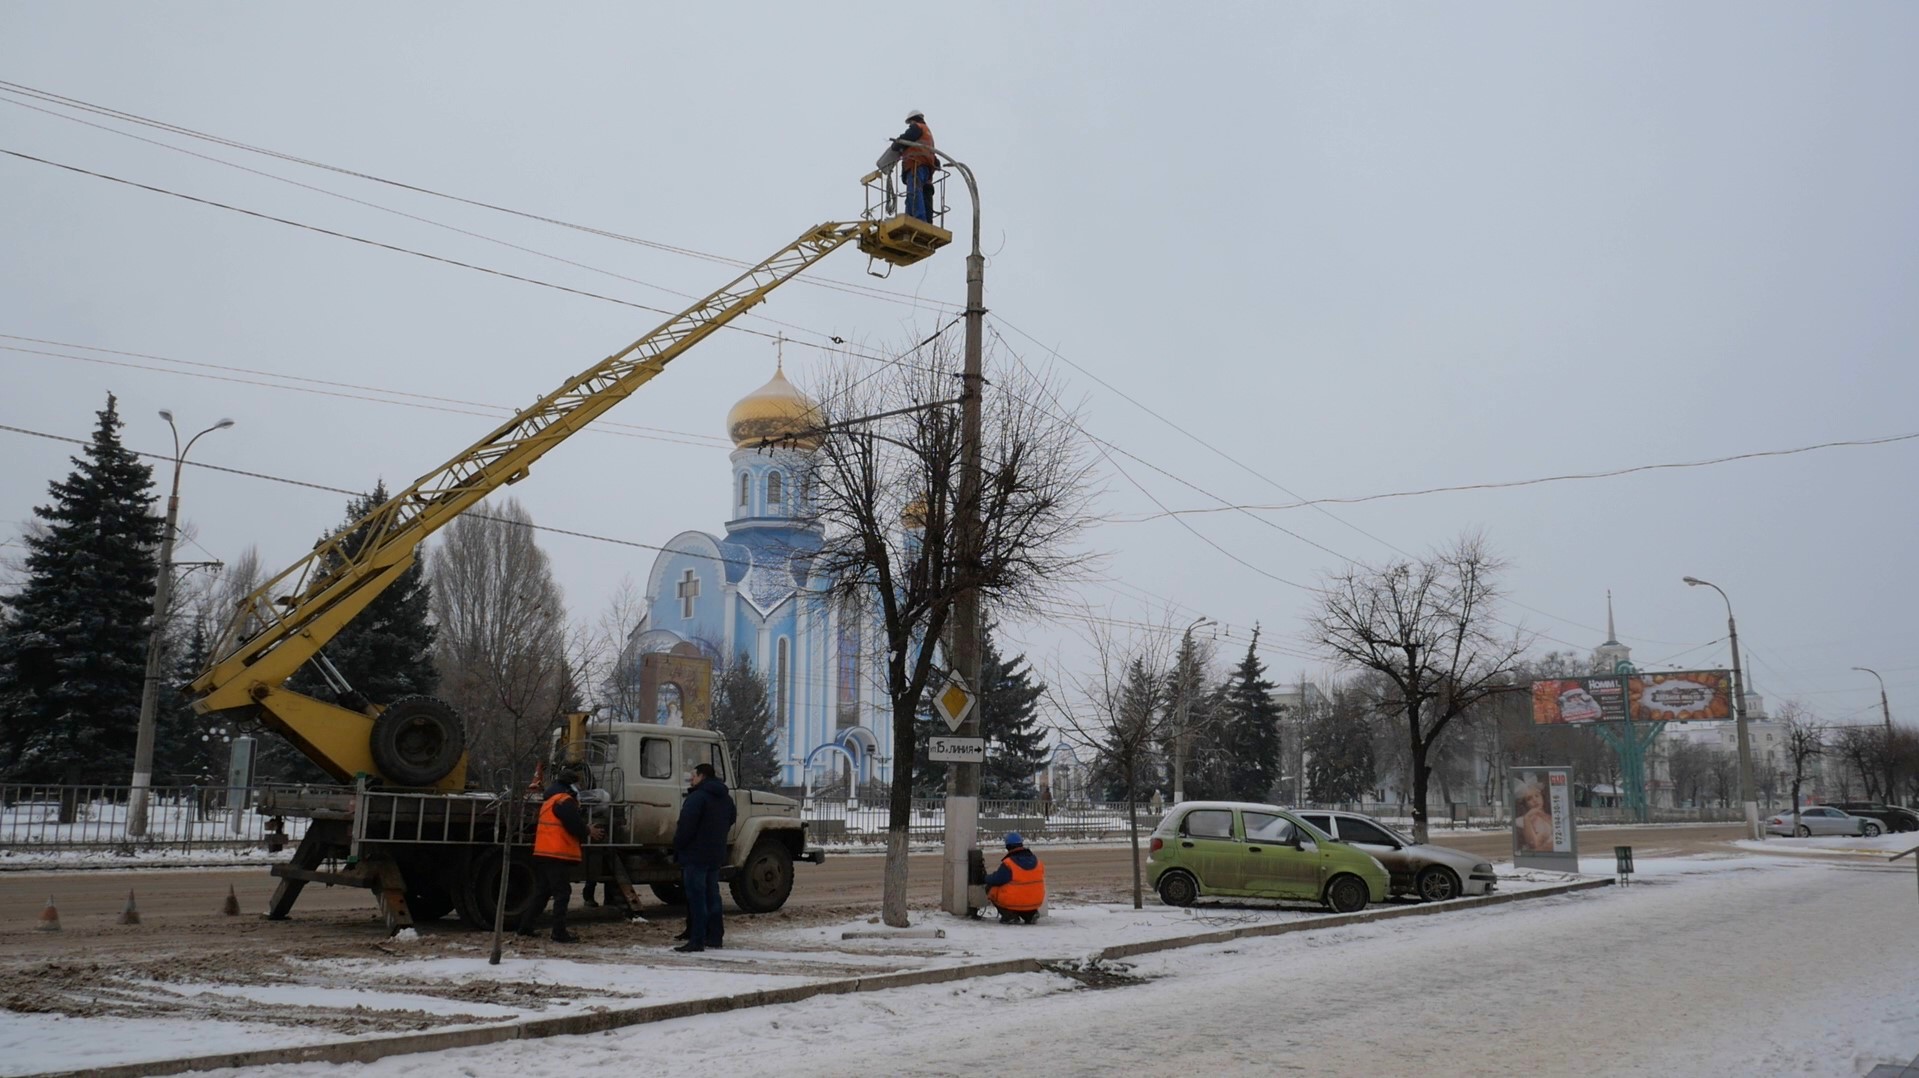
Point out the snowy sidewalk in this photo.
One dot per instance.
(437, 990)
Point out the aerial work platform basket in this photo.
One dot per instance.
(896, 238)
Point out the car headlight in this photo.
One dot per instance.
(1483, 867)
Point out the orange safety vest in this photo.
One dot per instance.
(912, 157)
(551, 839)
(1025, 892)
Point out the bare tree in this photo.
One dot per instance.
(502, 642)
(1805, 742)
(1862, 750)
(1429, 627)
(611, 667)
(1119, 714)
(884, 485)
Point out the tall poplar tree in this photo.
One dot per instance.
(73, 647)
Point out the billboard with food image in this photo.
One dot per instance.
(1681, 696)
(1579, 699)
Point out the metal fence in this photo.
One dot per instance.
(34, 818)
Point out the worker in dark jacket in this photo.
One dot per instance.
(1018, 886)
(556, 853)
(917, 162)
(699, 845)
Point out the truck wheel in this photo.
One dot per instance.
(670, 893)
(483, 887)
(766, 879)
(417, 741)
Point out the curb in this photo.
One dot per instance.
(369, 1049)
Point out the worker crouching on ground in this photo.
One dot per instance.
(556, 851)
(1018, 886)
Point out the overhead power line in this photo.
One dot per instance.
(1511, 483)
(63, 101)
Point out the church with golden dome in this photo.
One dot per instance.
(754, 591)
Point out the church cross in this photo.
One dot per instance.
(689, 590)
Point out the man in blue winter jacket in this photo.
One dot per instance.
(699, 845)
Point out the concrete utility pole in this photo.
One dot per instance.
(1885, 709)
(162, 598)
(963, 782)
(1746, 794)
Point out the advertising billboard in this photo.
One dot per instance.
(1680, 696)
(1543, 832)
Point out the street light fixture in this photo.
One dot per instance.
(1746, 794)
(162, 598)
(1885, 709)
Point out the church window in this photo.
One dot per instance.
(849, 659)
(774, 483)
(744, 488)
(689, 592)
(779, 683)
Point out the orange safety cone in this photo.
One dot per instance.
(130, 915)
(49, 918)
(232, 907)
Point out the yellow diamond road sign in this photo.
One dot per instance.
(954, 701)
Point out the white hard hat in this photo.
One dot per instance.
(914, 114)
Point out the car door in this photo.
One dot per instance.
(1275, 865)
(1208, 847)
(1401, 863)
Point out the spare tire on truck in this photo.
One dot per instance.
(417, 741)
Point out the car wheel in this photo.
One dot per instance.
(1178, 889)
(1437, 884)
(1870, 829)
(1803, 831)
(1346, 894)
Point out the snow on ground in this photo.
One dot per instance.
(1880, 845)
(1735, 965)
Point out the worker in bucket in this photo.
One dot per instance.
(917, 162)
(1018, 886)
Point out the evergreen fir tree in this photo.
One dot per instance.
(73, 648)
(387, 652)
(1250, 729)
(1009, 719)
(743, 715)
(1340, 765)
(185, 750)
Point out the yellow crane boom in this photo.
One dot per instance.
(286, 621)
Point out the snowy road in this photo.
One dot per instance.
(1734, 966)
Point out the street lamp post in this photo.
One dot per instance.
(1885, 709)
(1180, 711)
(963, 783)
(1746, 794)
(162, 598)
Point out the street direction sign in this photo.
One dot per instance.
(954, 701)
(956, 750)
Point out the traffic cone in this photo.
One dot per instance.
(232, 907)
(130, 915)
(49, 918)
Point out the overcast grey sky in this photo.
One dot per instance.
(1357, 248)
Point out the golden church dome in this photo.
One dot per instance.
(777, 413)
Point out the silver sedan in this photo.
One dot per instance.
(1822, 820)
(1434, 873)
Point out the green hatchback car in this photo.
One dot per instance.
(1244, 850)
